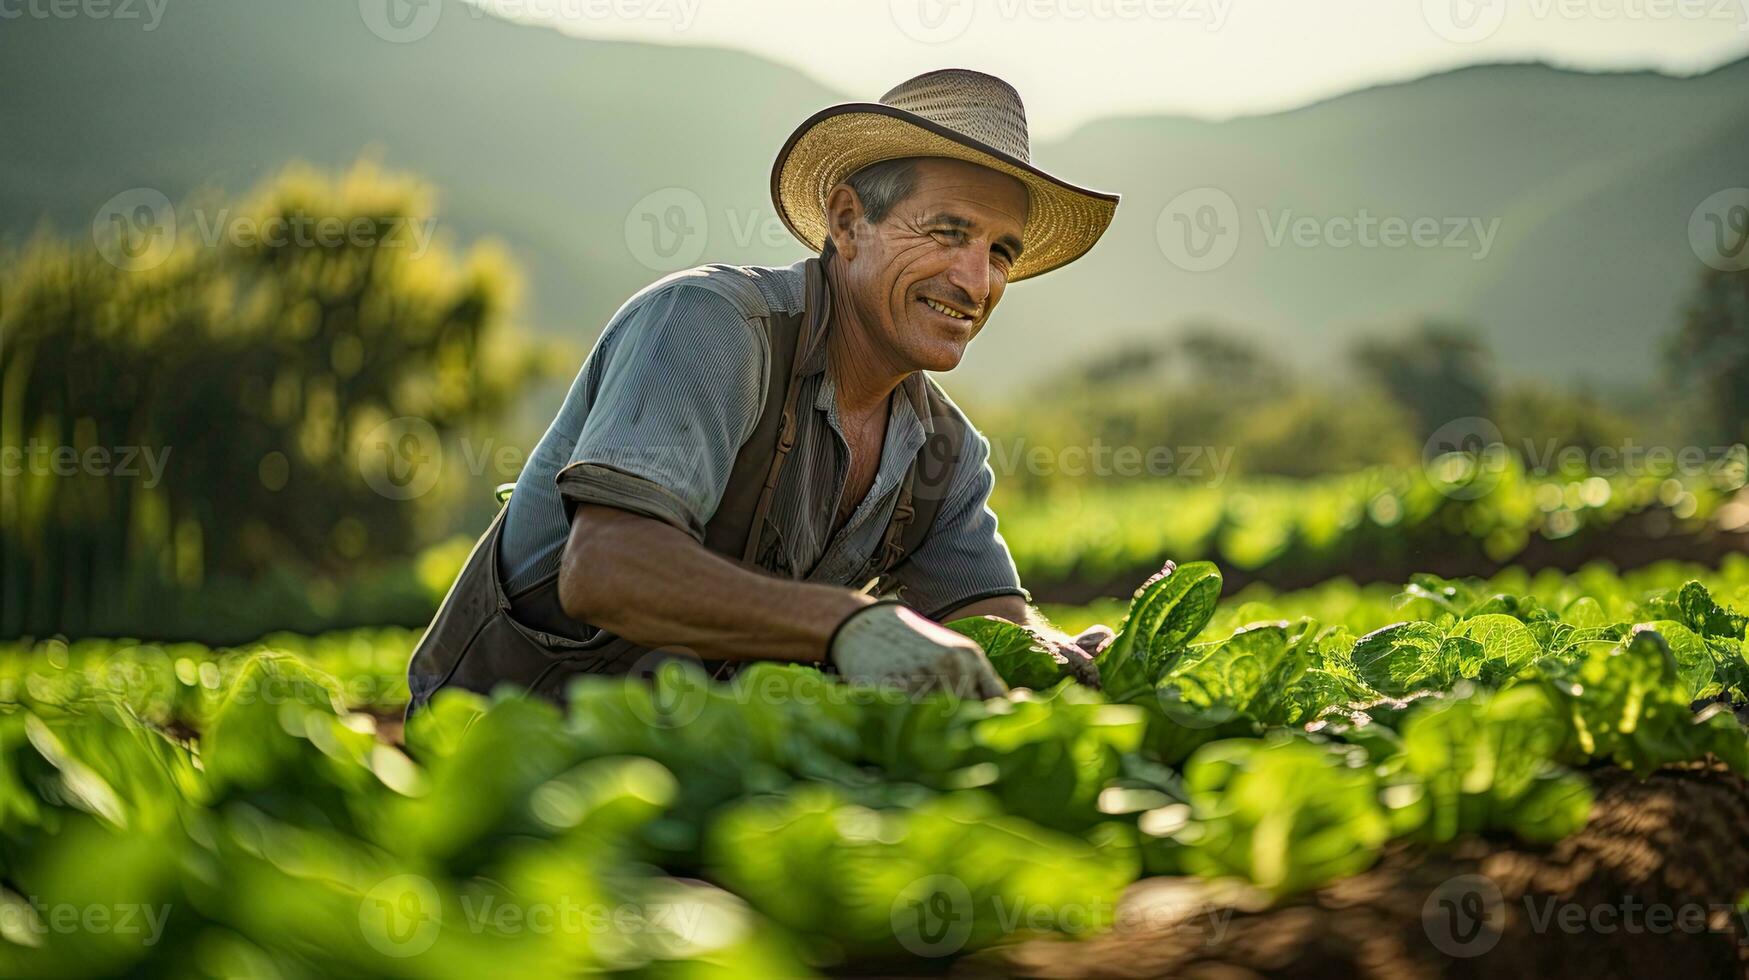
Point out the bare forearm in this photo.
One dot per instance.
(1014, 609)
(654, 585)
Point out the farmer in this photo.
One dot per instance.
(752, 464)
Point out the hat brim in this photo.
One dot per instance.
(1062, 222)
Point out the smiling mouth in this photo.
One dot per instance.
(946, 310)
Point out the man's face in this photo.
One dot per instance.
(926, 277)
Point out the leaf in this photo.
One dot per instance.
(1245, 674)
(1401, 658)
(1524, 608)
(1284, 815)
(1444, 593)
(1695, 666)
(1020, 656)
(1488, 762)
(1507, 645)
(1584, 612)
(897, 881)
(1693, 606)
(1165, 614)
(1630, 705)
(1052, 756)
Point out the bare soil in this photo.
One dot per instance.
(1656, 886)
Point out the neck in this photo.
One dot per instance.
(865, 371)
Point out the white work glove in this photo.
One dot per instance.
(888, 645)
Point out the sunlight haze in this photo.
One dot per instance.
(1075, 60)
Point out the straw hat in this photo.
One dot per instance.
(956, 113)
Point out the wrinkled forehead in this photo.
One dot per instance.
(976, 198)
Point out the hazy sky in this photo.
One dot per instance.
(1076, 59)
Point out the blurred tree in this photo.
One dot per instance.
(1710, 350)
(1542, 420)
(1438, 372)
(1129, 360)
(1228, 360)
(1311, 433)
(210, 413)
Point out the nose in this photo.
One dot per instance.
(970, 271)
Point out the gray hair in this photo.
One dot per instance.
(881, 186)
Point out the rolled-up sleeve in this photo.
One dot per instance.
(963, 558)
(681, 389)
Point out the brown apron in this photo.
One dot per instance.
(482, 637)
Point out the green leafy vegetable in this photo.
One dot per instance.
(1284, 815)
(1168, 610)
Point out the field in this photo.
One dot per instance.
(1276, 763)
(1447, 675)
(1459, 515)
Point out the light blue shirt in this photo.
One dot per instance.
(677, 383)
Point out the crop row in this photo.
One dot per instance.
(784, 821)
(1073, 541)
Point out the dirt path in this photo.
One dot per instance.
(1646, 890)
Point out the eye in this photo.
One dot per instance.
(949, 236)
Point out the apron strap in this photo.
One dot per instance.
(737, 528)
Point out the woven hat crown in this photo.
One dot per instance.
(955, 114)
(971, 103)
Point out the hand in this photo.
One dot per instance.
(887, 644)
(1075, 655)
(1094, 639)
(1080, 653)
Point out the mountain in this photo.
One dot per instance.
(600, 164)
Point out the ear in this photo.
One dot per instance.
(843, 216)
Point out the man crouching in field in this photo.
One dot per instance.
(750, 456)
